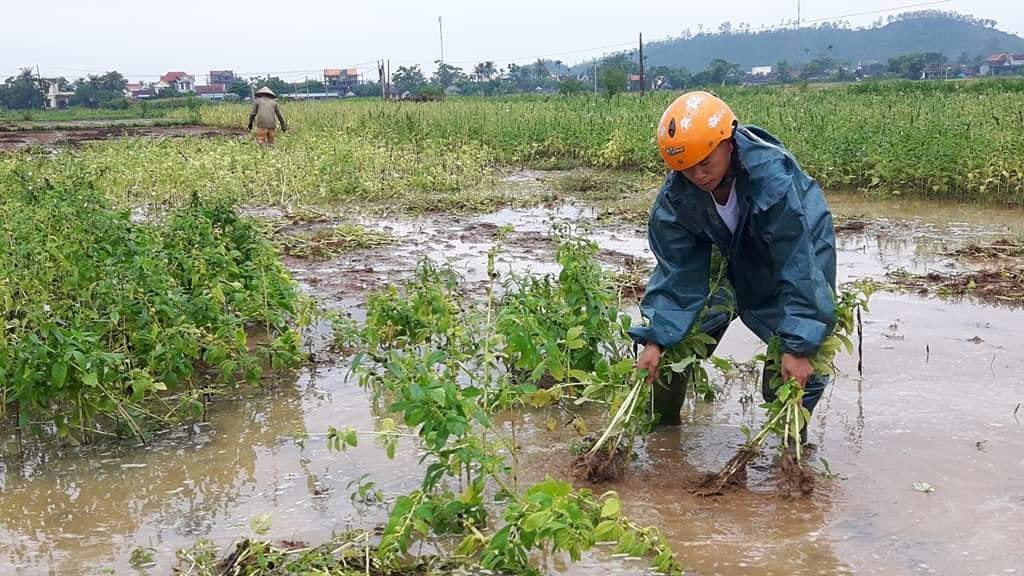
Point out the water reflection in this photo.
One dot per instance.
(57, 504)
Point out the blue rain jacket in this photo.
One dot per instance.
(781, 260)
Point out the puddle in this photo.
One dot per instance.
(935, 405)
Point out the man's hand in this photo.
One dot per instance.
(648, 360)
(796, 368)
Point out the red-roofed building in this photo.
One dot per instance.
(138, 91)
(340, 80)
(180, 81)
(1003, 64)
(212, 91)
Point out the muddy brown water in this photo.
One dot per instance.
(64, 136)
(935, 405)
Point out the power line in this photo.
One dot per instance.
(882, 11)
(534, 57)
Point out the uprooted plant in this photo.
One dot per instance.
(786, 417)
(630, 396)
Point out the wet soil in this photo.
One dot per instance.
(62, 137)
(935, 404)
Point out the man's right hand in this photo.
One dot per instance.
(648, 360)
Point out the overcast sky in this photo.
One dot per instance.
(296, 38)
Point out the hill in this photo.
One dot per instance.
(951, 34)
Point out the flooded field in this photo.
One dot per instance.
(936, 404)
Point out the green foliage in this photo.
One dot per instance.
(786, 416)
(445, 365)
(103, 314)
(564, 328)
(571, 86)
(425, 310)
(612, 80)
(23, 92)
(553, 517)
(192, 105)
(105, 90)
(240, 88)
(953, 140)
(408, 78)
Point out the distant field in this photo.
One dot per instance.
(958, 141)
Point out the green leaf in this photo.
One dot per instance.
(59, 373)
(437, 395)
(580, 375)
(607, 531)
(682, 365)
(536, 520)
(610, 508)
(574, 333)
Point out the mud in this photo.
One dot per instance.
(999, 285)
(64, 137)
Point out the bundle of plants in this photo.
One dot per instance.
(630, 397)
(786, 416)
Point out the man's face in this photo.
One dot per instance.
(708, 174)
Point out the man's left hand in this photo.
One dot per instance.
(796, 368)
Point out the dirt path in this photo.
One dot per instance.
(16, 139)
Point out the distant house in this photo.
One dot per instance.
(761, 71)
(138, 91)
(180, 81)
(662, 83)
(57, 99)
(212, 92)
(225, 77)
(1003, 64)
(935, 72)
(869, 69)
(636, 82)
(341, 80)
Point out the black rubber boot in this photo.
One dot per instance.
(668, 399)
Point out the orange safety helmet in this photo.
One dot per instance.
(691, 127)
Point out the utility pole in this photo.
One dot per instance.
(643, 86)
(798, 14)
(387, 78)
(440, 28)
(39, 83)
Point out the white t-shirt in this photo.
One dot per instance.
(729, 213)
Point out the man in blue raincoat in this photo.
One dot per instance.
(735, 187)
